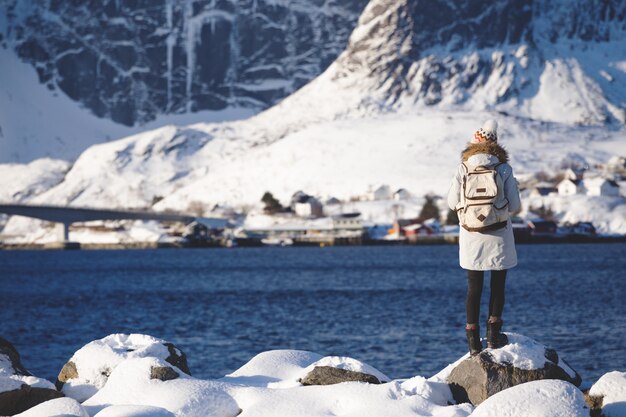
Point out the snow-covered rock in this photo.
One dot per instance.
(611, 387)
(547, 398)
(356, 370)
(60, 407)
(130, 384)
(272, 368)
(522, 360)
(19, 389)
(89, 368)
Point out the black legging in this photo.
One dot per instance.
(474, 291)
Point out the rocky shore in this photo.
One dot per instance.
(141, 376)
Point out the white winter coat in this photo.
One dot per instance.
(494, 250)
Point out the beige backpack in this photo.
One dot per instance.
(482, 206)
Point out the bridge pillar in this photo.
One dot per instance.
(62, 232)
(63, 238)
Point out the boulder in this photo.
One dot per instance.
(59, 407)
(7, 349)
(493, 370)
(607, 397)
(545, 398)
(327, 375)
(89, 368)
(163, 373)
(336, 369)
(132, 383)
(19, 389)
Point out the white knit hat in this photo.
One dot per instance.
(489, 132)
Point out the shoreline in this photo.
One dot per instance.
(420, 241)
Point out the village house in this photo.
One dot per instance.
(601, 187)
(305, 205)
(309, 207)
(570, 187)
(401, 194)
(617, 166)
(381, 193)
(347, 222)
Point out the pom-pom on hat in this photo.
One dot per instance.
(487, 133)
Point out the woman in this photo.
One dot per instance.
(490, 247)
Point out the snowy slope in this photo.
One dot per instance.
(36, 122)
(386, 112)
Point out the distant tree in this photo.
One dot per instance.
(452, 218)
(430, 209)
(272, 205)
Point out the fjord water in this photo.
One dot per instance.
(400, 309)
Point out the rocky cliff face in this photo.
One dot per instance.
(485, 53)
(131, 61)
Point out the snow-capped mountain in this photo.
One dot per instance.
(75, 74)
(132, 61)
(396, 107)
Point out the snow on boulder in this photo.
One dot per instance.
(610, 390)
(19, 389)
(522, 360)
(60, 407)
(89, 368)
(335, 369)
(130, 383)
(434, 391)
(134, 411)
(273, 368)
(348, 399)
(545, 398)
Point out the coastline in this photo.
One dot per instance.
(243, 243)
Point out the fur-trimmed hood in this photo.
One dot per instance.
(490, 148)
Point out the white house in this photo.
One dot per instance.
(601, 187)
(617, 164)
(401, 194)
(570, 187)
(311, 207)
(381, 193)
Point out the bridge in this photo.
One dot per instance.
(65, 216)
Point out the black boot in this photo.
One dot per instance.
(473, 340)
(495, 339)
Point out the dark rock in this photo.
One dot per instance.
(327, 375)
(19, 400)
(594, 403)
(177, 358)
(6, 348)
(163, 373)
(68, 372)
(479, 377)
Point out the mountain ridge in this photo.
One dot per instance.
(379, 115)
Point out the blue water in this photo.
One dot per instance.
(401, 309)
